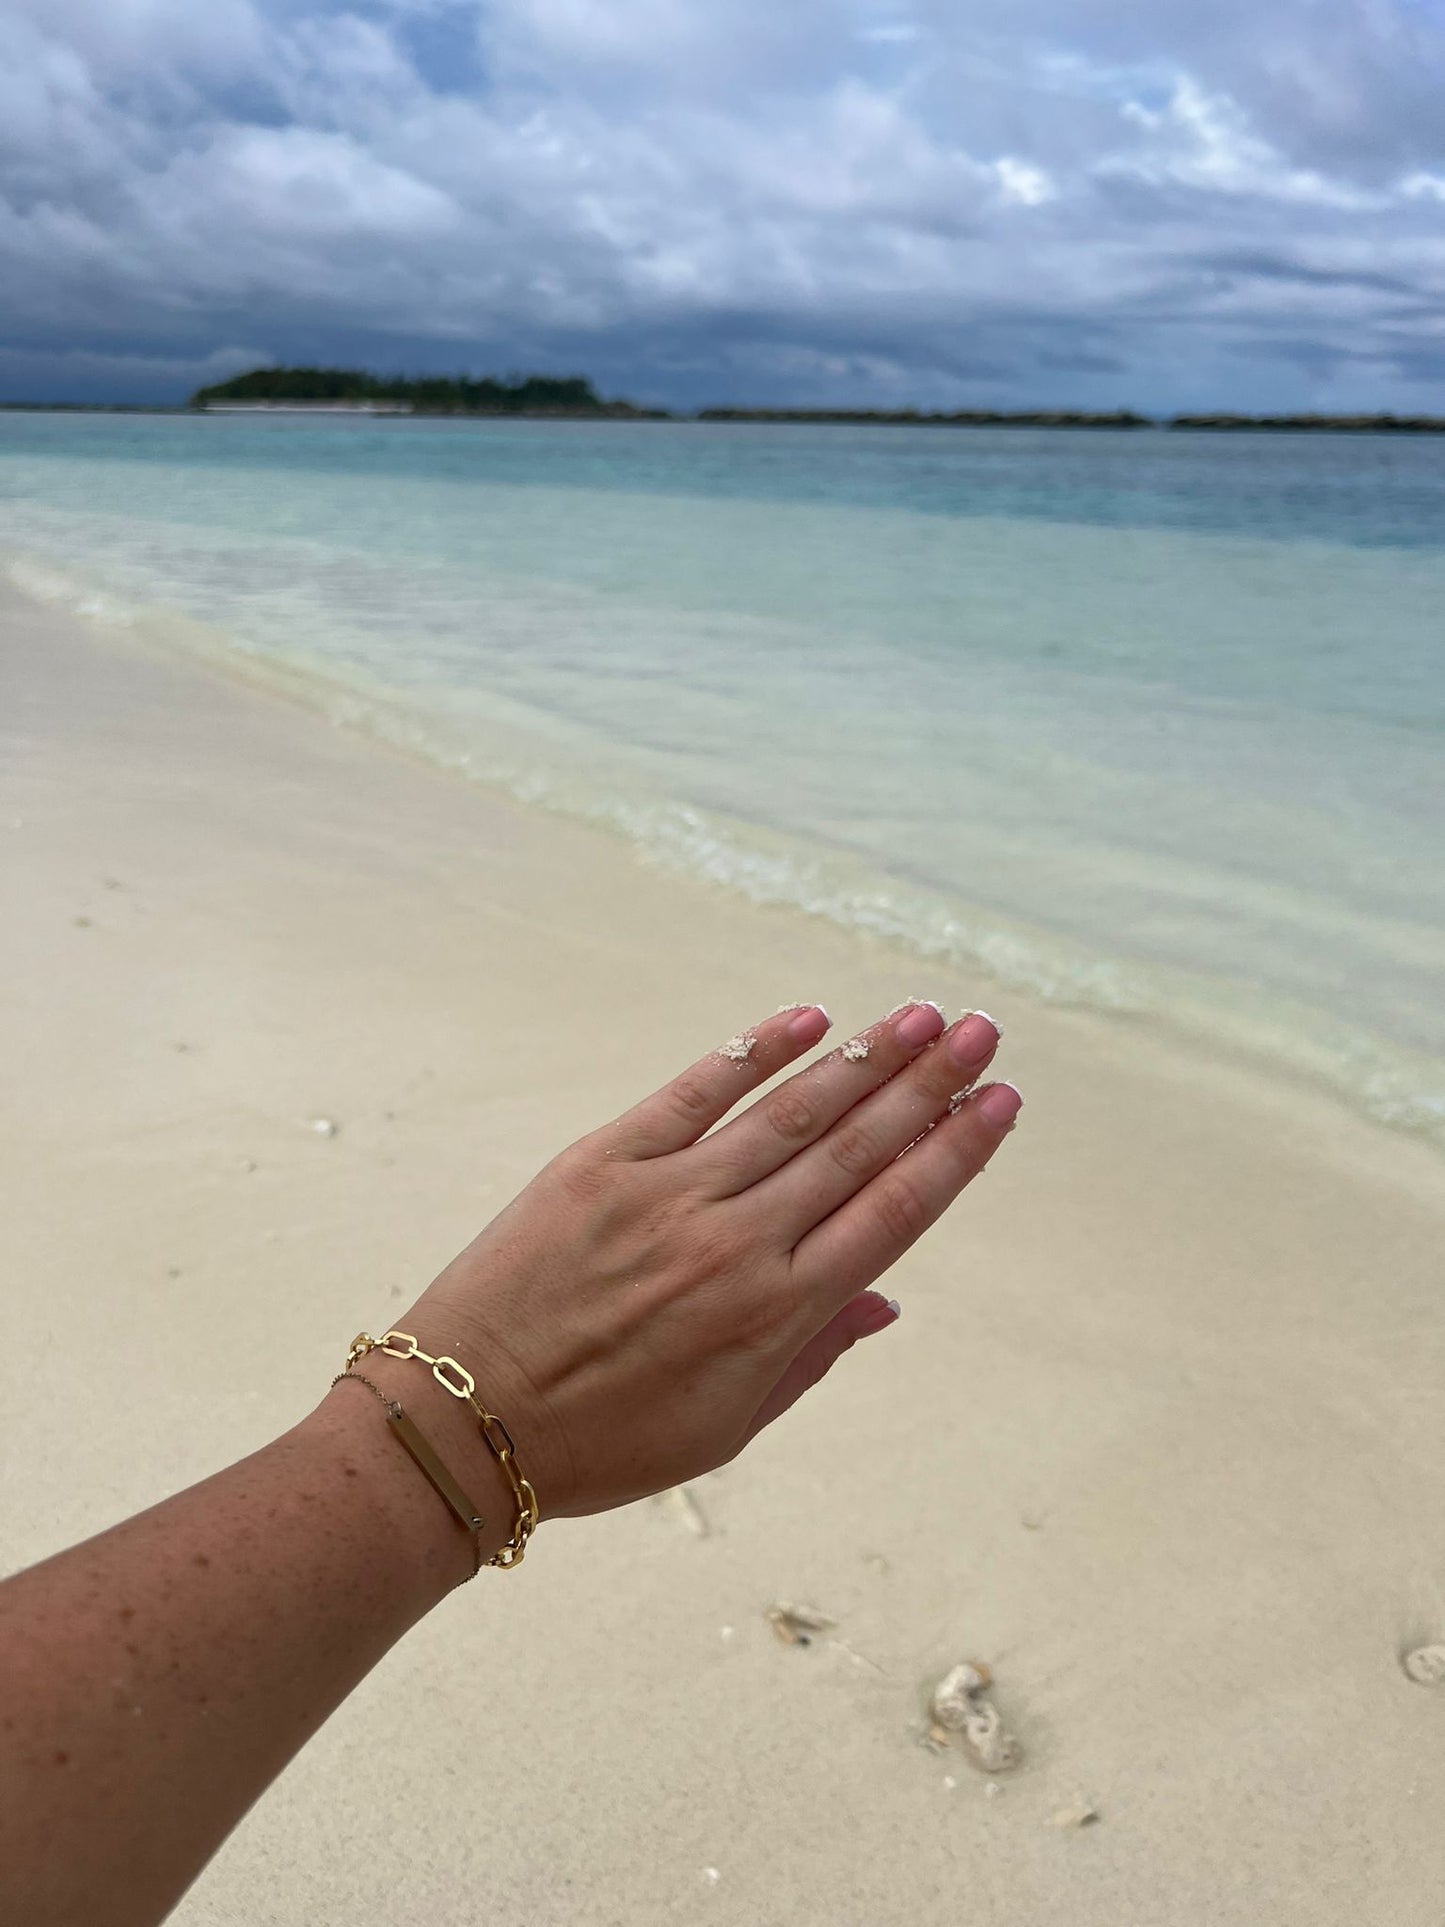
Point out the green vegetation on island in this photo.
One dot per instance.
(1316, 424)
(1083, 418)
(938, 418)
(570, 395)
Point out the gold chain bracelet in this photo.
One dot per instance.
(456, 1379)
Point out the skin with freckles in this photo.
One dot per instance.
(660, 1292)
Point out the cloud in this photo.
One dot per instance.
(1099, 202)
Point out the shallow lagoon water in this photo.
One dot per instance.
(1141, 720)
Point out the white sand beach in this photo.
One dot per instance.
(1159, 1437)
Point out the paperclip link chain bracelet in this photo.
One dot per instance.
(456, 1379)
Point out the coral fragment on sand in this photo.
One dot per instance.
(797, 1625)
(955, 1692)
(961, 1706)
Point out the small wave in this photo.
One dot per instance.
(512, 751)
(764, 869)
(54, 589)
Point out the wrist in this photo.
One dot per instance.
(427, 1549)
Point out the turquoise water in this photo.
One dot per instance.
(1145, 721)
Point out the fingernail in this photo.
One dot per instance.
(998, 1027)
(998, 1105)
(895, 1307)
(909, 1002)
(810, 1024)
(968, 1041)
(921, 1023)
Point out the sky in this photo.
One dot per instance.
(1164, 204)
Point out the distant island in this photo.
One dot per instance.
(955, 418)
(1084, 418)
(354, 391)
(1316, 424)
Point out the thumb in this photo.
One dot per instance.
(869, 1312)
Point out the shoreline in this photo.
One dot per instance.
(1158, 1436)
(1221, 422)
(761, 865)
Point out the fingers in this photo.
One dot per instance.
(799, 1112)
(683, 1110)
(864, 1315)
(874, 1228)
(869, 1136)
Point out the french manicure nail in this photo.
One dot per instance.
(909, 1002)
(810, 1024)
(882, 1313)
(895, 1307)
(998, 1105)
(976, 1034)
(921, 1023)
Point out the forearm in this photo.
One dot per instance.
(158, 1677)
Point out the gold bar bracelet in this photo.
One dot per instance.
(424, 1453)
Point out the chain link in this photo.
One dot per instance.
(454, 1377)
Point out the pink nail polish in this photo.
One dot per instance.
(809, 1025)
(969, 1041)
(921, 1023)
(998, 1105)
(882, 1313)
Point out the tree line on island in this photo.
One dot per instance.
(574, 397)
(416, 394)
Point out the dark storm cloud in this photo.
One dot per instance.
(1102, 201)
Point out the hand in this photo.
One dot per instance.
(657, 1295)
(663, 1290)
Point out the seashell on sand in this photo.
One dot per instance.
(1078, 1813)
(797, 1625)
(1426, 1665)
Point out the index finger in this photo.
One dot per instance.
(687, 1107)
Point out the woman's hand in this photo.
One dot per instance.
(663, 1290)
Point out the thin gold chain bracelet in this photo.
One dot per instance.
(427, 1458)
(454, 1377)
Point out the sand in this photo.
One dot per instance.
(1159, 1437)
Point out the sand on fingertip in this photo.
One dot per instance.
(1160, 1438)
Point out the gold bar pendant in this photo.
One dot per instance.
(421, 1450)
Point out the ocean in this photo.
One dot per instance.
(1149, 722)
